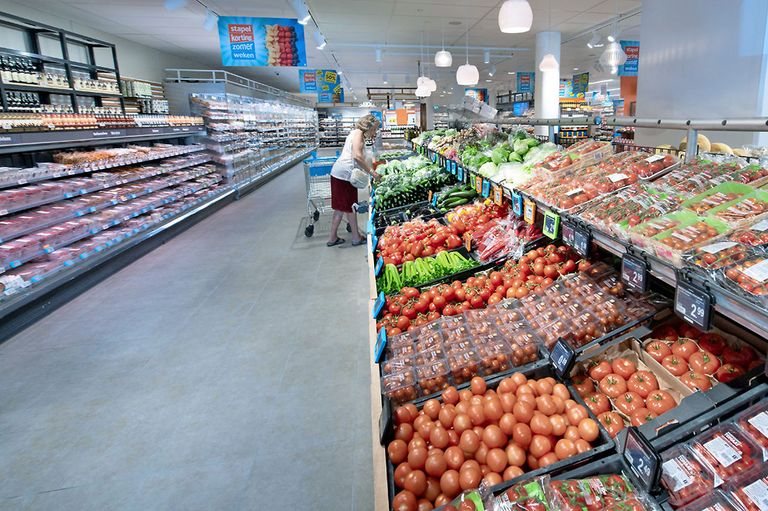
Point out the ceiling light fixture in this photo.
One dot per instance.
(492, 71)
(613, 56)
(467, 74)
(443, 58)
(548, 63)
(510, 72)
(575, 68)
(515, 16)
(302, 13)
(385, 79)
(320, 40)
(595, 41)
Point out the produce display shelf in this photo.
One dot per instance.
(75, 170)
(725, 302)
(15, 142)
(63, 243)
(113, 202)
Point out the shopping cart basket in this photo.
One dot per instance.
(317, 177)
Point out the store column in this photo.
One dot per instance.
(547, 91)
(702, 59)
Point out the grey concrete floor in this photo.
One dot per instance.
(226, 370)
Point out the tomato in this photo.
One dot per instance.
(696, 381)
(713, 343)
(403, 323)
(628, 402)
(659, 402)
(612, 422)
(576, 414)
(642, 382)
(728, 372)
(658, 350)
(588, 430)
(597, 403)
(740, 355)
(689, 331)
(666, 332)
(623, 367)
(583, 385)
(704, 362)
(684, 348)
(540, 445)
(613, 385)
(600, 370)
(675, 365)
(641, 416)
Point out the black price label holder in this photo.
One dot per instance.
(381, 343)
(567, 231)
(378, 305)
(634, 273)
(582, 241)
(642, 459)
(693, 304)
(562, 357)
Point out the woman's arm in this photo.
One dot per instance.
(358, 153)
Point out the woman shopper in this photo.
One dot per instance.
(343, 193)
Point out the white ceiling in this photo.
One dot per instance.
(352, 29)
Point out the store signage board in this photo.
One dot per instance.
(379, 266)
(257, 41)
(643, 460)
(630, 67)
(562, 357)
(529, 211)
(525, 82)
(486, 188)
(517, 204)
(551, 225)
(379, 304)
(634, 273)
(694, 305)
(381, 343)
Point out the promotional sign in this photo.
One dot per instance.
(328, 86)
(525, 82)
(261, 42)
(580, 84)
(632, 49)
(566, 88)
(307, 81)
(477, 93)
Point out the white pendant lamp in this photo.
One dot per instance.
(443, 58)
(467, 74)
(431, 85)
(613, 55)
(515, 16)
(422, 81)
(421, 92)
(549, 63)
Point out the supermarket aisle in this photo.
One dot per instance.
(223, 371)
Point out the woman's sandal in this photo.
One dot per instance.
(338, 241)
(362, 241)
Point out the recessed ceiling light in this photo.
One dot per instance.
(489, 80)
(454, 23)
(575, 68)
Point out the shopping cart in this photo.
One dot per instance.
(317, 177)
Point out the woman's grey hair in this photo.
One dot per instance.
(366, 122)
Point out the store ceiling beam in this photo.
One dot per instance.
(603, 25)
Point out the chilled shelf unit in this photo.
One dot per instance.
(249, 137)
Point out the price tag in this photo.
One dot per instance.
(634, 273)
(430, 195)
(498, 195)
(478, 184)
(529, 211)
(517, 204)
(379, 304)
(434, 199)
(582, 242)
(694, 305)
(468, 241)
(447, 164)
(643, 460)
(562, 357)
(567, 233)
(381, 343)
(379, 265)
(551, 224)
(460, 173)
(374, 242)
(486, 188)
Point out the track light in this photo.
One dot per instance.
(320, 40)
(486, 56)
(595, 41)
(302, 13)
(385, 79)
(492, 71)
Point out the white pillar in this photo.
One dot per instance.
(547, 92)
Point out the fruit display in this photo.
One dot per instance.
(480, 434)
(407, 182)
(280, 41)
(609, 492)
(422, 270)
(717, 255)
(504, 237)
(583, 153)
(752, 493)
(416, 238)
(755, 235)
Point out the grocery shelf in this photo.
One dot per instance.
(46, 140)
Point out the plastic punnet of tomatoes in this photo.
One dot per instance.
(754, 422)
(527, 496)
(754, 236)
(400, 387)
(684, 477)
(750, 278)
(429, 356)
(743, 211)
(463, 365)
(495, 356)
(398, 364)
(672, 244)
(714, 256)
(601, 493)
(751, 494)
(712, 502)
(432, 377)
(727, 452)
(524, 347)
(429, 340)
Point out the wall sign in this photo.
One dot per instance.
(261, 42)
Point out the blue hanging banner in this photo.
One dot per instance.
(261, 42)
